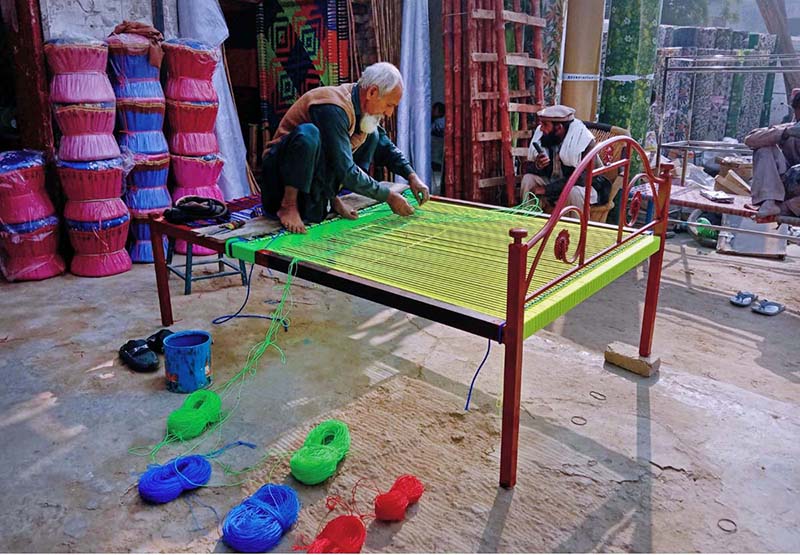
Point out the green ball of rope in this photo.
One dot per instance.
(200, 410)
(705, 232)
(324, 447)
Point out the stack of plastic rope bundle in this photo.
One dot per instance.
(140, 118)
(28, 221)
(88, 156)
(192, 106)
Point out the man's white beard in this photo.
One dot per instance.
(370, 123)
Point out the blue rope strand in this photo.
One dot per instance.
(238, 314)
(475, 377)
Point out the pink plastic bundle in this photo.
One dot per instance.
(196, 173)
(29, 251)
(100, 179)
(22, 194)
(28, 223)
(192, 127)
(78, 66)
(88, 131)
(190, 68)
(98, 231)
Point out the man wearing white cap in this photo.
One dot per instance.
(559, 143)
(776, 150)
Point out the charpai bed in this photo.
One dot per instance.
(452, 262)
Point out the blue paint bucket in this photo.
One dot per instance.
(187, 360)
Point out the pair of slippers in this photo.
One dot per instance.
(140, 354)
(763, 306)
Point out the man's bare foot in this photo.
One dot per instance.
(291, 220)
(343, 210)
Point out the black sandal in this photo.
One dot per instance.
(138, 356)
(156, 341)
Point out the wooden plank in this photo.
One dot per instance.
(524, 60)
(523, 18)
(484, 56)
(496, 181)
(497, 135)
(505, 119)
(494, 95)
(483, 14)
(519, 152)
(30, 77)
(511, 17)
(525, 108)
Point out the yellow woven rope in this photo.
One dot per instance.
(453, 253)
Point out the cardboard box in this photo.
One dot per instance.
(742, 165)
(732, 183)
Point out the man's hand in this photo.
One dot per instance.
(399, 205)
(420, 190)
(541, 161)
(343, 210)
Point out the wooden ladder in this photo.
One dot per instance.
(479, 149)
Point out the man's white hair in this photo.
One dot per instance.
(384, 75)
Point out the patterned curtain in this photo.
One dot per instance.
(302, 44)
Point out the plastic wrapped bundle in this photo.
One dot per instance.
(29, 251)
(191, 127)
(23, 197)
(140, 247)
(147, 191)
(196, 172)
(98, 231)
(141, 124)
(88, 131)
(196, 176)
(129, 58)
(28, 223)
(138, 89)
(190, 68)
(98, 179)
(78, 66)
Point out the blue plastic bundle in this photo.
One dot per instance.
(140, 248)
(149, 199)
(137, 89)
(260, 521)
(129, 58)
(140, 124)
(162, 484)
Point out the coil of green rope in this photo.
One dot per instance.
(201, 409)
(325, 446)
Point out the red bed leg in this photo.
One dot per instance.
(512, 373)
(162, 274)
(654, 264)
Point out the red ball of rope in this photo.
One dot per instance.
(343, 534)
(392, 505)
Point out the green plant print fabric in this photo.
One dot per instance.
(630, 64)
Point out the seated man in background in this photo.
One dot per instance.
(775, 150)
(564, 141)
(327, 141)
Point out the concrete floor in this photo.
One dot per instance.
(657, 465)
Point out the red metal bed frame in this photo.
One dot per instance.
(509, 331)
